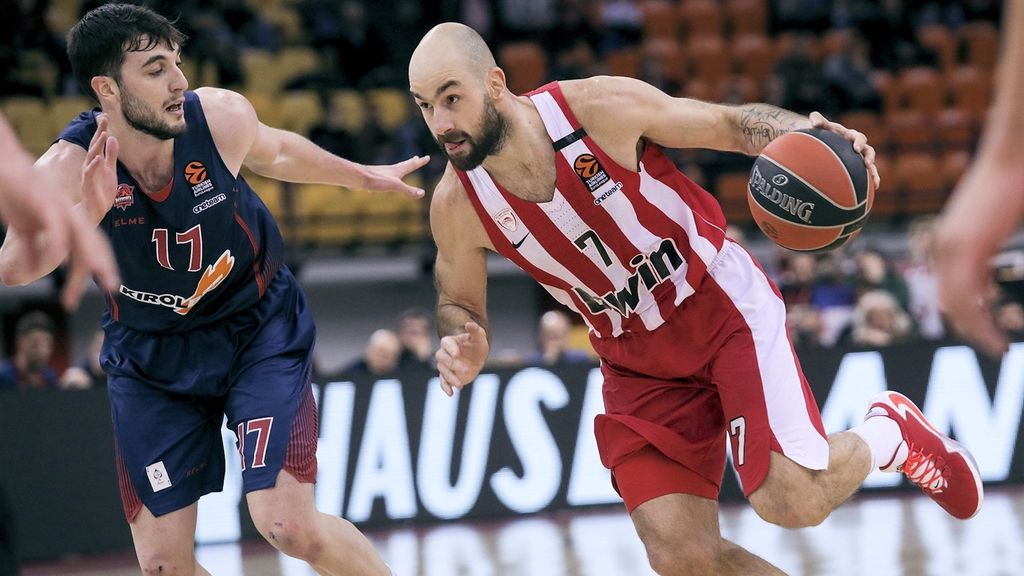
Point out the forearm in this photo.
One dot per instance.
(300, 160)
(452, 319)
(758, 124)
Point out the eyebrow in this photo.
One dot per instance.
(440, 89)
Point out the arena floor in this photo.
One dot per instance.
(876, 536)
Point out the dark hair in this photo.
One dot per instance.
(35, 320)
(97, 44)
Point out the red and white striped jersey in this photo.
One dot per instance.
(622, 248)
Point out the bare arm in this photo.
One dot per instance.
(989, 192)
(243, 140)
(460, 273)
(619, 112)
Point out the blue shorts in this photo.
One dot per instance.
(169, 394)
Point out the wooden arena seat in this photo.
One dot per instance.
(731, 191)
(980, 42)
(753, 55)
(393, 106)
(352, 104)
(870, 124)
(957, 129)
(625, 62)
(525, 65)
(65, 109)
(971, 89)
(940, 40)
(889, 198)
(328, 214)
(708, 58)
(910, 130)
(921, 88)
(668, 55)
(701, 18)
(30, 119)
(746, 16)
(300, 110)
(296, 61)
(270, 192)
(261, 73)
(660, 19)
(391, 217)
(954, 164)
(920, 177)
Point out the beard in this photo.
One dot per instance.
(493, 130)
(140, 117)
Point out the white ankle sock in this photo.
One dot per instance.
(883, 437)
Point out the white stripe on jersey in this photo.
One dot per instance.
(765, 314)
(531, 249)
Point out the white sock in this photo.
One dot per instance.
(883, 437)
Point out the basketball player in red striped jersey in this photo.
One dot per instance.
(570, 183)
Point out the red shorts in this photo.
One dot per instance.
(722, 367)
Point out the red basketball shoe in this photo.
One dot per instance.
(936, 463)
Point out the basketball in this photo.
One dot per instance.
(809, 190)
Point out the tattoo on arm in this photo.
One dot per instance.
(762, 123)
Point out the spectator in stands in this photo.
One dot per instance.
(833, 296)
(922, 284)
(807, 15)
(797, 83)
(29, 368)
(416, 333)
(330, 132)
(249, 28)
(380, 358)
(875, 272)
(87, 373)
(849, 71)
(878, 320)
(363, 55)
(211, 42)
(623, 25)
(553, 341)
(574, 43)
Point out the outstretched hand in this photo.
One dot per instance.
(461, 357)
(389, 178)
(860, 142)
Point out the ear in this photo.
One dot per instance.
(496, 85)
(104, 87)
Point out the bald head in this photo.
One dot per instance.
(450, 44)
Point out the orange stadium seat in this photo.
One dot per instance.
(753, 55)
(956, 129)
(701, 18)
(921, 88)
(731, 191)
(747, 16)
(954, 165)
(300, 110)
(295, 62)
(30, 119)
(392, 106)
(708, 58)
(525, 65)
(660, 20)
(941, 41)
(910, 130)
(328, 214)
(971, 88)
(888, 88)
(869, 124)
(698, 90)
(65, 108)
(625, 62)
(980, 41)
(261, 74)
(921, 178)
(889, 197)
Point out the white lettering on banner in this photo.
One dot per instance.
(218, 521)
(589, 481)
(333, 447)
(599, 545)
(860, 376)
(433, 468)
(531, 438)
(401, 550)
(384, 465)
(958, 401)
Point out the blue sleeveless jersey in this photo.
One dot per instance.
(191, 255)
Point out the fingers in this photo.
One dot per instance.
(90, 255)
(818, 120)
(413, 164)
(110, 152)
(475, 331)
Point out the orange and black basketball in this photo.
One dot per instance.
(586, 165)
(195, 172)
(809, 190)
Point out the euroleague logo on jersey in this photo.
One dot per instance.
(590, 171)
(124, 197)
(195, 174)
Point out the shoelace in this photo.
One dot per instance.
(925, 470)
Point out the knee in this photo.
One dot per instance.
(671, 558)
(789, 508)
(291, 534)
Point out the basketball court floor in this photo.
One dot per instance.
(870, 536)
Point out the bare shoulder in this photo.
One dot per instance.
(606, 97)
(232, 121)
(452, 215)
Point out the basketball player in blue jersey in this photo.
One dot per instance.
(569, 182)
(208, 323)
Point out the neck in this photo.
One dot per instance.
(526, 144)
(150, 160)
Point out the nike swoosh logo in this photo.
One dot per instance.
(516, 245)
